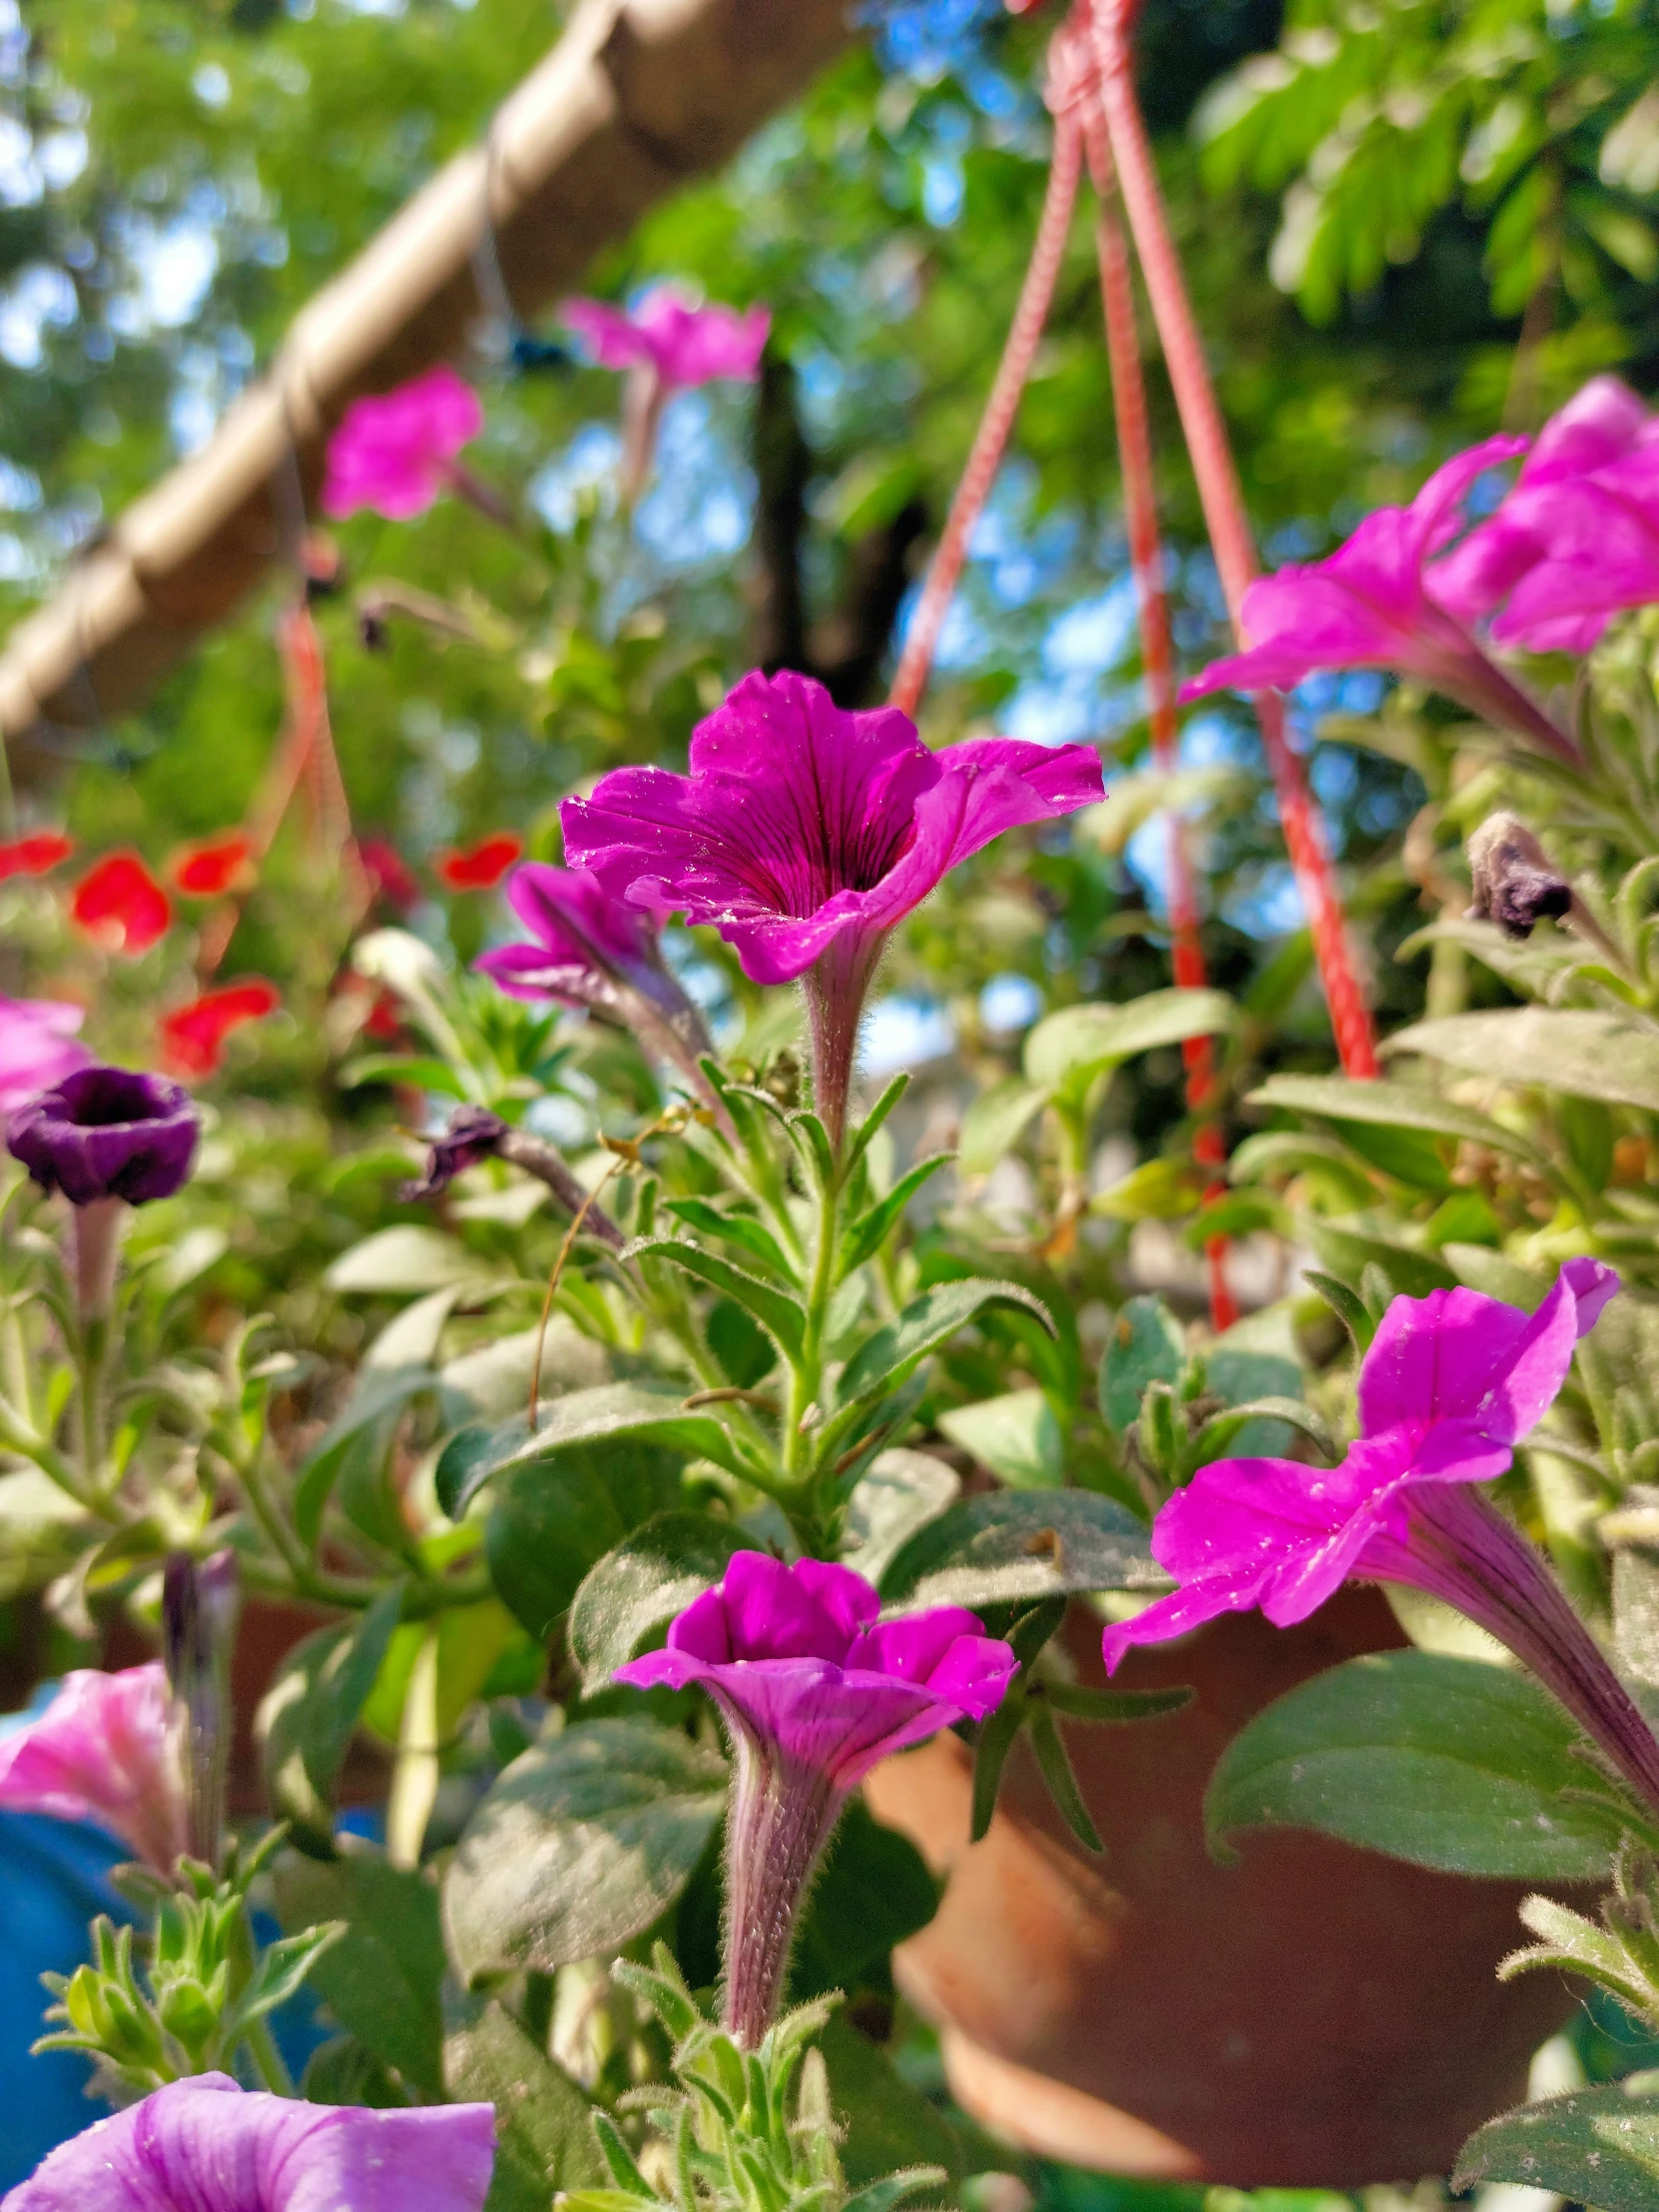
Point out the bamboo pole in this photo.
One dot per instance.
(637, 97)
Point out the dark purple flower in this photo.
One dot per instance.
(815, 1691)
(204, 2145)
(107, 1132)
(472, 1134)
(804, 832)
(1449, 1387)
(1373, 604)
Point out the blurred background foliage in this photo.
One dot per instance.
(1405, 223)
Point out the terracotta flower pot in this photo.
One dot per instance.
(1312, 2015)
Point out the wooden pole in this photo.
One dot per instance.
(636, 98)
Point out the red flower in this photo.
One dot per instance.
(215, 865)
(482, 868)
(120, 906)
(35, 854)
(388, 874)
(193, 1036)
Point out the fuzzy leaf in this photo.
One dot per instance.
(1596, 2146)
(640, 1586)
(1010, 1547)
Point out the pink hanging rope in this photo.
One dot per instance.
(1012, 376)
(1224, 516)
(1074, 81)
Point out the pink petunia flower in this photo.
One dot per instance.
(1451, 1384)
(814, 1690)
(107, 1750)
(207, 2145)
(1370, 605)
(806, 832)
(38, 1047)
(683, 345)
(1577, 539)
(396, 452)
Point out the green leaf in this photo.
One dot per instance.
(1217, 1437)
(861, 1137)
(1393, 1106)
(377, 1397)
(306, 1718)
(613, 1410)
(900, 1493)
(1011, 1547)
(887, 2122)
(741, 1230)
(1015, 1436)
(551, 1521)
(1144, 1344)
(544, 2140)
(1056, 1771)
(404, 1259)
(1610, 1056)
(1348, 1253)
(582, 1844)
(874, 1892)
(639, 1587)
(896, 1351)
(1067, 1050)
(997, 1121)
(990, 1755)
(866, 1236)
(382, 1980)
(778, 1313)
(1446, 1762)
(1596, 2146)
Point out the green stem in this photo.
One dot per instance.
(806, 1378)
(260, 2046)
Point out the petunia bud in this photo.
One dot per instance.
(200, 1604)
(1515, 885)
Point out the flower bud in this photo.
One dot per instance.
(1515, 885)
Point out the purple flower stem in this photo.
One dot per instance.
(96, 1234)
(1497, 699)
(834, 988)
(1461, 1548)
(779, 1819)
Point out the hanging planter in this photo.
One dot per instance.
(1311, 2014)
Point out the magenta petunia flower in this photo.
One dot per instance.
(680, 343)
(588, 948)
(395, 452)
(38, 1047)
(804, 832)
(1573, 543)
(1370, 606)
(814, 1690)
(206, 2145)
(1451, 1384)
(107, 1748)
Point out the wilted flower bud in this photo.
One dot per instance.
(1515, 885)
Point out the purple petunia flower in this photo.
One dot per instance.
(815, 1691)
(1451, 1384)
(805, 831)
(106, 1132)
(1371, 605)
(1576, 539)
(38, 1047)
(107, 1748)
(204, 2145)
(395, 451)
(680, 343)
(589, 948)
